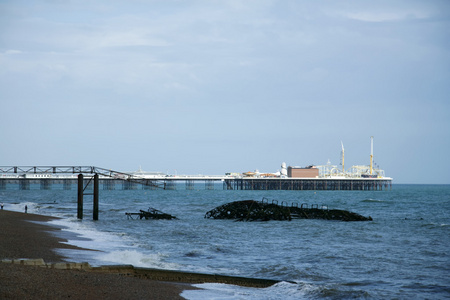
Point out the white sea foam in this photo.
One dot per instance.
(32, 207)
(113, 247)
(373, 200)
(137, 258)
(216, 291)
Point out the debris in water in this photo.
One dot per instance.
(151, 213)
(251, 210)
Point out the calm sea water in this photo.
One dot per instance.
(403, 253)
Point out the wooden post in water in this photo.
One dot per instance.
(95, 209)
(80, 197)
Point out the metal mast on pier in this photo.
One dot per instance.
(371, 154)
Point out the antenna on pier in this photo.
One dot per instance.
(371, 154)
(342, 158)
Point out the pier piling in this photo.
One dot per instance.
(80, 197)
(95, 208)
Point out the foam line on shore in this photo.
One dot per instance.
(148, 273)
(40, 222)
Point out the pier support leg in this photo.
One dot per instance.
(95, 208)
(80, 197)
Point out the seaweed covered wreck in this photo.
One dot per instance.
(251, 210)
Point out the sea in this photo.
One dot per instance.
(404, 253)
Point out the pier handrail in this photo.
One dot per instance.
(77, 170)
(48, 169)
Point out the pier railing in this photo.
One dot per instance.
(85, 170)
(23, 176)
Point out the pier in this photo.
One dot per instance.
(324, 177)
(44, 175)
(66, 178)
(305, 184)
(89, 180)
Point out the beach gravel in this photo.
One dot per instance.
(23, 236)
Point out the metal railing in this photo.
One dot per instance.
(77, 170)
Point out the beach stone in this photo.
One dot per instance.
(61, 266)
(34, 262)
(79, 266)
(17, 261)
(84, 266)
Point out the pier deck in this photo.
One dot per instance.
(174, 183)
(299, 184)
(46, 178)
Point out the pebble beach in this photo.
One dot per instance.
(26, 236)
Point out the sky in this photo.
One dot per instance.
(209, 87)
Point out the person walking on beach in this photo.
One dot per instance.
(2, 206)
(26, 208)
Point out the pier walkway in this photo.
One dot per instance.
(64, 177)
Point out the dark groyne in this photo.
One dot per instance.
(149, 273)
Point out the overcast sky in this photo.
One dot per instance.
(208, 87)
